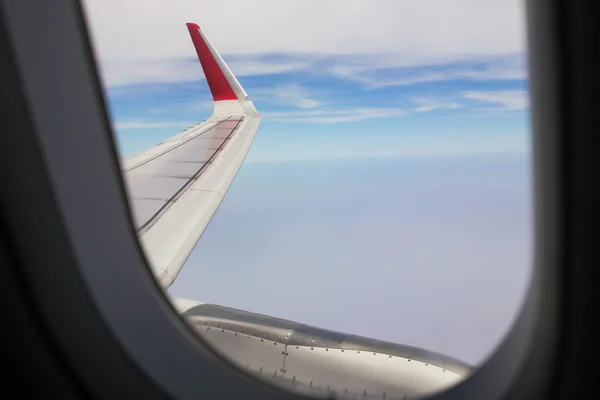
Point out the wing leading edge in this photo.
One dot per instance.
(176, 187)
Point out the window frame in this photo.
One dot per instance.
(90, 265)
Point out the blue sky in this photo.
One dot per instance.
(388, 190)
(313, 106)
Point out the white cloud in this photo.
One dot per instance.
(432, 104)
(391, 71)
(152, 124)
(494, 73)
(333, 116)
(368, 75)
(504, 99)
(288, 94)
(139, 41)
(117, 72)
(247, 66)
(417, 29)
(464, 74)
(427, 77)
(154, 70)
(355, 114)
(193, 106)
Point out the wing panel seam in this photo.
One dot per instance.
(150, 222)
(176, 146)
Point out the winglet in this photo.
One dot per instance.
(229, 96)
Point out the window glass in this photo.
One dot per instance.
(377, 240)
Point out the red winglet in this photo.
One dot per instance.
(217, 82)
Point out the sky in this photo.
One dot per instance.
(387, 193)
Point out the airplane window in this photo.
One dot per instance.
(363, 225)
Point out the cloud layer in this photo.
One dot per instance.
(419, 30)
(146, 41)
(430, 254)
(505, 100)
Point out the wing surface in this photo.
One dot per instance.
(176, 187)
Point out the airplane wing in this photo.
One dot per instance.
(176, 187)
